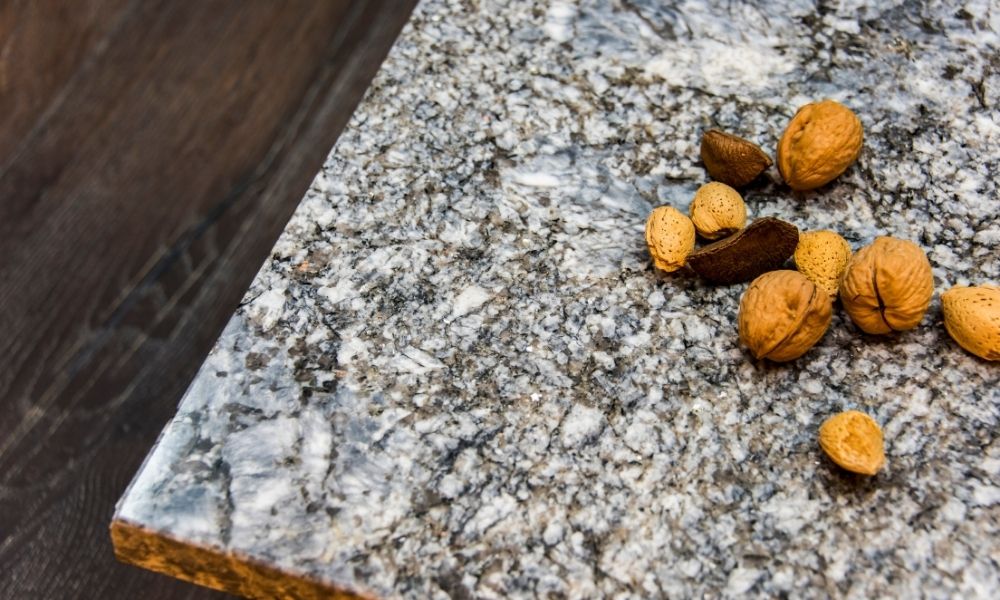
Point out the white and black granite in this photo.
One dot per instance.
(458, 374)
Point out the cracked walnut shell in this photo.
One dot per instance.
(972, 318)
(854, 441)
(782, 315)
(732, 159)
(888, 286)
(670, 237)
(821, 141)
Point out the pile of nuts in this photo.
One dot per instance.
(885, 287)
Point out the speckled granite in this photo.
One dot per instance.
(458, 375)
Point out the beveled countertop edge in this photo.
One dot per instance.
(216, 568)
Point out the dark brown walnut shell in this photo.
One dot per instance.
(763, 246)
(732, 159)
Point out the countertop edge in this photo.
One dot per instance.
(215, 568)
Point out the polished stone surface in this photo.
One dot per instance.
(459, 375)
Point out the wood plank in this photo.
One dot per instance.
(157, 172)
(42, 45)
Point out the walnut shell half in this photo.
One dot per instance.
(888, 286)
(783, 315)
(732, 159)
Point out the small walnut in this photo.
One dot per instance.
(888, 286)
(731, 159)
(783, 315)
(822, 140)
(854, 441)
(670, 237)
(718, 211)
(822, 256)
(972, 318)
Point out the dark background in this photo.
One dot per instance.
(151, 152)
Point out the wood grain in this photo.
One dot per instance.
(150, 154)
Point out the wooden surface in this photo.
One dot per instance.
(150, 154)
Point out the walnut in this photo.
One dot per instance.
(888, 286)
(821, 141)
(783, 315)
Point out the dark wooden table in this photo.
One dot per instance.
(150, 154)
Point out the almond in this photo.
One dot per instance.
(718, 211)
(854, 441)
(822, 256)
(972, 318)
(670, 237)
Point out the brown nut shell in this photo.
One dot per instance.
(732, 159)
(972, 318)
(717, 211)
(821, 141)
(783, 315)
(670, 237)
(888, 286)
(854, 441)
(763, 246)
(822, 256)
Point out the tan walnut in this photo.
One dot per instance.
(732, 159)
(888, 286)
(717, 211)
(972, 318)
(783, 315)
(670, 237)
(822, 256)
(854, 441)
(821, 141)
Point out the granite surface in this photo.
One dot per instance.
(458, 374)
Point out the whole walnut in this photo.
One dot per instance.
(821, 141)
(888, 286)
(782, 315)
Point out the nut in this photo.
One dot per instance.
(888, 286)
(718, 211)
(763, 246)
(822, 256)
(822, 140)
(782, 315)
(853, 440)
(731, 159)
(670, 236)
(972, 318)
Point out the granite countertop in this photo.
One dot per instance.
(459, 375)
